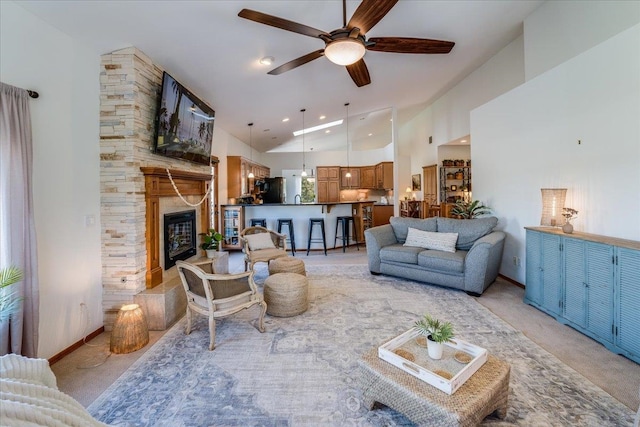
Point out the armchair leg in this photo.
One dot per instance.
(187, 330)
(212, 331)
(263, 310)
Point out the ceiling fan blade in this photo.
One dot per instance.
(297, 62)
(359, 73)
(369, 13)
(409, 45)
(281, 23)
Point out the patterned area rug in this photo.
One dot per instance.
(302, 371)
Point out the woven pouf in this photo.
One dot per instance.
(287, 265)
(286, 294)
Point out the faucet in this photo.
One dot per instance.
(296, 198)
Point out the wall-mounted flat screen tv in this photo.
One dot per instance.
(184, 124)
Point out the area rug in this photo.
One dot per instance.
(303, 370)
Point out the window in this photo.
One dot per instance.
(308, 194)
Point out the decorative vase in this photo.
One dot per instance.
(567, 228)
(211, 253)
(435, 349)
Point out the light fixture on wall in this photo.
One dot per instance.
(552, 204)
(251, 175)
(304, 167)
(348, 174)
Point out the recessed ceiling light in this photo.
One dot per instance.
(463, 140)
(286, 119)
(267, 60)
(327, 131)
(370, 134)
(322, 117)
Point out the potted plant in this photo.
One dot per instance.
(437, 334)
(8, 301)
(568, 214)
(468, 210)
(211, 242)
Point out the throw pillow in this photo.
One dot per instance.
(260, 241)
(429, 240)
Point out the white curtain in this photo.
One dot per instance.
(19, 334)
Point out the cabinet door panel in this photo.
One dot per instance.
(575, 305)
(628, 300)
(533, 284)
(551, 273)
(600, 291)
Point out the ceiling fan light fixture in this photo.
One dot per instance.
(345, 51)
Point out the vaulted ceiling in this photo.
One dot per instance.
(215, 53)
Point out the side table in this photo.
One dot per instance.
(487, 391)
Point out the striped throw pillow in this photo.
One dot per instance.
(430, 240)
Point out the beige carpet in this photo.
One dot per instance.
(615, 374)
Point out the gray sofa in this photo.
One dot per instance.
(472, 267)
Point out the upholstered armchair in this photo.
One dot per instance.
(218, 295)
(262, 245)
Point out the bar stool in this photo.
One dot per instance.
(344, 221)
(312, 223)
(262, 222)
(292, 238)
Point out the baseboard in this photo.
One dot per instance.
(513, 282)
(73, 347)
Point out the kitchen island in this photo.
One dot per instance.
(236, 217)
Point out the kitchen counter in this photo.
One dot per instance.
(301, 213)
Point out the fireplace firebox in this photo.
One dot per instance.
(179, 237)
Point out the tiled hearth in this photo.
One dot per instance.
(129, 88)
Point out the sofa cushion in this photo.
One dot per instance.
(401, 226)
(469, 230)
(449, 262)
(431, 240)
(399, 253)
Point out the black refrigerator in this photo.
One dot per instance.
(274, 190)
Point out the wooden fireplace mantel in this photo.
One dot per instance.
(157, 184)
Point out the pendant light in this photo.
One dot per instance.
(251, 175)
(348, 174)
(304, 167)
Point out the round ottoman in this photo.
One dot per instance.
(287, 264)
(286, 294)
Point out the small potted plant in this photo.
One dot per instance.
(437, 334)
(568, 214)
(211, 242)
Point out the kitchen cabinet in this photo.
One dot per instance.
(232, 225)
(381, 214)
(363, 218)
(328, 184)
(589, 282)
(368, 177)
(238, 181)
(384, 175)
(348, 183)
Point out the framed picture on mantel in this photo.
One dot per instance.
(415, 182)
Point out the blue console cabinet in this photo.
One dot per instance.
(589, 282)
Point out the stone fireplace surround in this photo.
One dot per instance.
(129, 88)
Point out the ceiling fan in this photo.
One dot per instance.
(347, 45)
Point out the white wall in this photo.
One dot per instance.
(528, 139)
(66, 189)
(559, 30)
